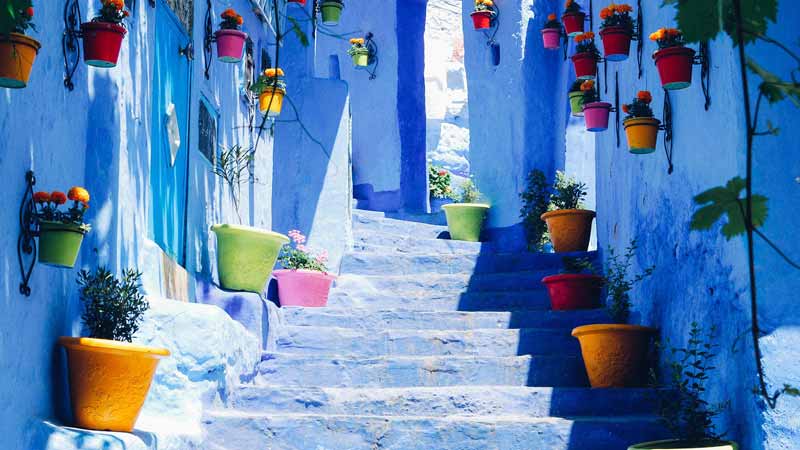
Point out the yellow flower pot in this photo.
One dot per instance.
(615, 355)
(642, 134)
(109, 381)
(271, 99)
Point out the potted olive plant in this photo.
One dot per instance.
(271, 89)
(61, 232)
(230, 38)
(109, 377)
(17, 51)
(573, 18)
(616, 31)
(441, 193)
(586, 56)
(641, 127)
(465, 218)
(569, 225)
(359, 52)
(578, 286)
(673, 59)
(331, 11)
(551, 33)
(304, 279)
(102, 37)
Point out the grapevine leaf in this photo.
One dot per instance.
(727, 201)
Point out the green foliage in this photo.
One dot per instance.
(469, 193)
(535, 202)
(727, 201)
(772, 87)
(297, 256)
(298, 31)
(439, 183)
(619, 284)
(572, 7)
(16, 16)
(578, 266)
(113, 307)
(568, 193)
(576, 86)
(703, 20)
(233, 166)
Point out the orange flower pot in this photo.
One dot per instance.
(615, 355)
(271, 99)
(17, 54)
(570, 229)
(642, 134)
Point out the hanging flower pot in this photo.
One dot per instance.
(641, 127)
(297, 2)
(571, 291)
(246, 256)
(615, 356)
(332, 12)
(673, 444)
(586, 57)
(551, 33)
(576, 103)
(596, 116)
(17, 54)
(359, 52)
(61, 232)
(102, 37)
(230, 40)
(673, 60)
(616, 31)
(573, 18)
(271, 90)
(483, 15)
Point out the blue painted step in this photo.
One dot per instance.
(377, 241)
(372, 300)
(437, 284)
(375, 223)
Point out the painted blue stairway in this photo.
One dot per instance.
(430, 344)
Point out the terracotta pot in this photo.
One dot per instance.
(551, 37)
(101, 43)
(571, 291)
(686, 445)
(303, 287)
(576, 99)
(596, 115)
(482, 20)
(675, 67)
(642, 133)
(230, 45)
(570, 229)
(17, 54)
(271, 99)
(585, 64)
(616, 42)
(573, 23)
(615, 355)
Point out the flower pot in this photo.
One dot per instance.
(551, 38)
(361, 58)
(230, 45)
(576, 103)
(271, 99)
(573, 23)
(59, 243)
(331, 12)
(571, 291)
(616, 42)
(465, 220)
(596, 115)
(615, 355)
(482, 20)
(585, 65)
(297, 2)
(101, 43)
(675, 67)
(303, 287)
(246, 256)
(109, 381)
(570, 229)
(686, 445)
(17, 54)
(437, 204)
(642, 134)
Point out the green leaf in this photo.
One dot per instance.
(298, 31)
(773, 87)
(702, 20)
(728, 201)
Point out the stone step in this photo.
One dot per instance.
(439, 320)
(316, 341)
(373, 300)
(397, 371)
(445, 401)
(433, 284)
(373, 221)
(233, 430)
(369, 240)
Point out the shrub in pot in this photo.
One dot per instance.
(616, 355)
(616, 31)
(535, 202)
(17, 51)
(551, 33)
(331, 11)
(569, 226)
(586, 56)
(595, 112)
(578, 286)
(573, 18)
(109, 377)
(441, 193)
(102, 37)
(673, 59)
(271, 89)
(483, 15)
(466, 217)
(641, 128)
(359, 52)
(576, 98)
(304, 279)
(61, 232)
(230, 39)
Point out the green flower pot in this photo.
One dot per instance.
(331, 12)
(685, 445)
(361, 58)
(59, 243)
(246, 256)
(576, 103)
(465, 220)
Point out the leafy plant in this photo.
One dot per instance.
(297, 256)
(535, 202)
(619, 284)
(357, 46)
(576, 86)
(572, 6)
(484, 5)
(113, 11)
(231, 20)
(552, 22)
(667, 37)
(640, 107)
(568, 193)
(271, 78)
(439, 183)
(113, 307)
(16, 16)
(585, 44)
(578, 265)
(233, 166)
(590, 93)
(469, 193)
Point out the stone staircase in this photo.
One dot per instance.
(430, 344)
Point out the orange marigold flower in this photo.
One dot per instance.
(644, 96)
(551, 17)
(357, 41)
(587, 85)
(569, 3)
(604, 14)
(229, 13)
(579, 38)
(589, 35)
(624, 8)
(78, 194)
(239, 20)
(273, 72)
(625, 109)
(58, 197)
(41, 197)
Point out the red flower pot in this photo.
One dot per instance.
(298, 2)
(482, 19)
(551, 37)
(101, 43)
(573, 23)
(571, 291)
(675, 67)
(585, 65)
(616, 43)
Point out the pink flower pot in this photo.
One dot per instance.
(551, 38)
(230, 45)
(596, 115)
(303, 287)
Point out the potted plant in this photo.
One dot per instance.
(535, 202)
(304, 279)
(331, 11)
(108, 376)
(230, 39)
(465, 218)
(578, 286)
(573, 18)
(682, 407)
(616, 31)
(102, 37)
(616, 355)
(441, 193)
(641, 127)
(17, 51)
(483, 15)
(297, 2)
(270, 88)
(673, 59)
(595, 112)
(569, 226)
(585, 57)
(359, 52)
(576, 98)
(551, 33)
(61, 232)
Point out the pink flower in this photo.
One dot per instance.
(302, 248)
(297, 236)
(322, 258)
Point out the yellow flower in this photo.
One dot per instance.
(273, 72)
(78, 194)
(357, 41)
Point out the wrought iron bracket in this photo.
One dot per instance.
(616, 104)
(703, 59)
(494, 47)
(666, 125)
(28, 230)
(208, 40)
(70, 47)
(372, 62)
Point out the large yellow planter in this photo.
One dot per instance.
(642, 134)
(570, 229)
(615, 355)
(684, 445)
(271, 99)
(109, 381)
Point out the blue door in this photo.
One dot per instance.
(170, 137)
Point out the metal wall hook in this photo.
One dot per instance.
(28, 230)
(208, 40)
(372, 47)
(187, 52)
(616, 104)
(70, 45)
(640, 37)
(703, 59)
